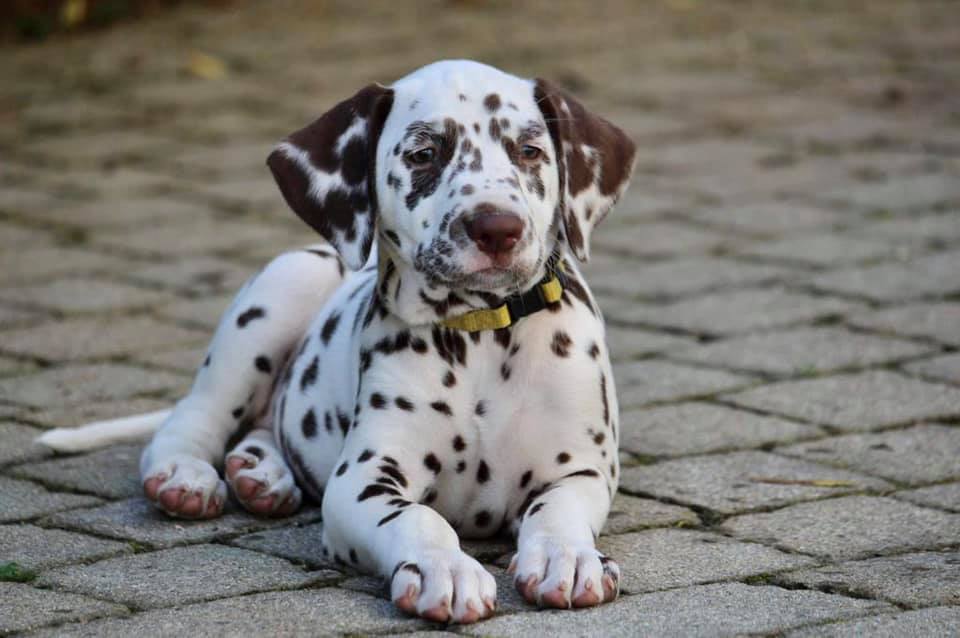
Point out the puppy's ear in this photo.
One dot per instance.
(595, 160)
(326, 172)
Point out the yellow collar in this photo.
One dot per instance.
(548, 290)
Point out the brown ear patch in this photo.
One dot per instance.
(595, 162)
(325, 171)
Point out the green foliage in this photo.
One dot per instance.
(11, 572)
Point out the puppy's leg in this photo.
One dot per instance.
(259, 477)
(372, 519)
(557, 563)
(234, 385)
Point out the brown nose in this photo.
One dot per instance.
(494, 233)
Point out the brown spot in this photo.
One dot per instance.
(492, 102)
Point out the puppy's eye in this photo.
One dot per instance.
(530, 153)
(423, 155)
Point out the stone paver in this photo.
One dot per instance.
(136, 519)
(849, 527)
(696, 428)
(946, 496)
(801, 351)
(23, 608)
(630, 513)
(936, 621)
(18, 445)
(180, 575)
(111, 473)
(743, 481)
(933, 276)
(625, 344)
(940, 321)
(918, 580)
(77, 295)
(821, 249)
(94, 338)
(668, 558)
(917, 455)
(34, 548)
(944, 368)
(854, 402)
(739, 311)
(795, 212)
(78, 384)
(312, 612)
(22, 500)
(729, 609)
(648, 381)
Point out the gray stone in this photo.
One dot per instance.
(850, 527)
(22, 266)
(625, 344)
(863, 401)
(112, 473)
(136, 519)
(22, 500)
(742, 481)
(658, 239)
(917, 228)
(769, 218)
(946, 496)
(23, 608)
(73, 416)
(329, 611)
(95, 338)
(644, 382)
(299, 544)
(943, 368)
(204, 313)
(77, 295)
(917, 455)
(821, 249)
(630, 513)
(738, 311)
(201, 236)
(940, 321)
(18, 445)
(35, 548)
(727, 609)
(95, 147)
(12, 317)
(696, 428)
(127, 209)
(199, 276)
(932, 276)
(685, 276)
(935, 622)
(72, 385)
(668, 558)
(179, 576)
(801, 351)
(905, 192)
(916, 580)
(183, 360)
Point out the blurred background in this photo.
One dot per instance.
(781, 282)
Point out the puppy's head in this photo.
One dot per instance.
(468, 174)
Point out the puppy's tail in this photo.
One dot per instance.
(103, 433)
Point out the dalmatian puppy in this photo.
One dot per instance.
(440, 389)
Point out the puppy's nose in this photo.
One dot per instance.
(494, 232)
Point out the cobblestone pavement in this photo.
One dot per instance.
(782, 285)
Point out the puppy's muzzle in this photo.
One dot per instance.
(495, 232)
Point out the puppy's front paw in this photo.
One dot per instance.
(262, 482)
(185, 487)
(550, 572)
(444, 586)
